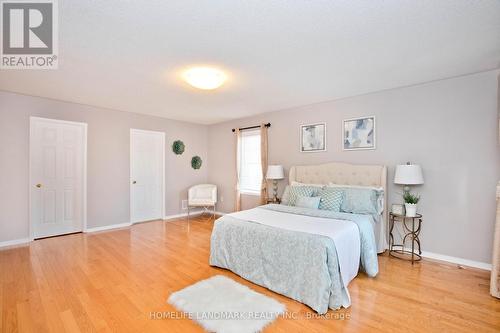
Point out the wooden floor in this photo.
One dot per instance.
(119, 281)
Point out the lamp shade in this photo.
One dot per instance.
(408, 174)
(275, 172)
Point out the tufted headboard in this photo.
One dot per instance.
(340, 173)
(343, 174)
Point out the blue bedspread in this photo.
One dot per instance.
(299, 265)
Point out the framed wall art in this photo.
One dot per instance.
(313, 138)
(359, 133)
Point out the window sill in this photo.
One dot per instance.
(256, 194)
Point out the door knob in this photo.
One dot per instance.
(38, 185)
(134, 182)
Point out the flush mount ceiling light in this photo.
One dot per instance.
(206, 78)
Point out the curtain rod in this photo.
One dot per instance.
(251, 127)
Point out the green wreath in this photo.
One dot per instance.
(196, 162)
(178, 147)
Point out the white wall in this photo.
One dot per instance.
(108, 159)
(449, 127)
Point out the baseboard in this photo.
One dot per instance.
(15, 242)
(108, 227)
(176, 216)
(455, 260)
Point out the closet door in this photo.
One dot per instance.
(147, 174)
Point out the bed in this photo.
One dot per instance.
(309, 255)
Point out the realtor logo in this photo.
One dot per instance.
(29, 34)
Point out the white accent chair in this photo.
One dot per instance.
(202, 195)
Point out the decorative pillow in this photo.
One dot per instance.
(296, 191)
(362, 201)
(285, 197)
(316, 187)
(379, 193)
(331, 198)
(307, 202)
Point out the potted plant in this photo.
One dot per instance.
(411, 201)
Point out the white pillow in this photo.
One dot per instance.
(285, 196)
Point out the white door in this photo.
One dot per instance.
(58, 152)
(147, 173)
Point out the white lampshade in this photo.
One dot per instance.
(275, 172)
(408, 174)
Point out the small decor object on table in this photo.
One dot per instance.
(313, 138)
(411, 201)
(411, 231)
(398, 209)
(196, 162)
(178, 147)
(274, 173)
(359, 133)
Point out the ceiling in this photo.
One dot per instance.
(127, 55)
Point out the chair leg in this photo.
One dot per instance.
(188, 213)
(214, 213)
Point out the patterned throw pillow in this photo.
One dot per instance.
(315, 187)
(331, 199)
(296, 191)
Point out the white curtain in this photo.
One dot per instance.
(495, 269)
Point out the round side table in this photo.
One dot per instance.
(411, 229)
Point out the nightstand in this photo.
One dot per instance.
(411, 229)
(271, 200)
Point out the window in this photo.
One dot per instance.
(250, 167)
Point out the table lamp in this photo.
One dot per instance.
(274, 173)
(408, 174)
